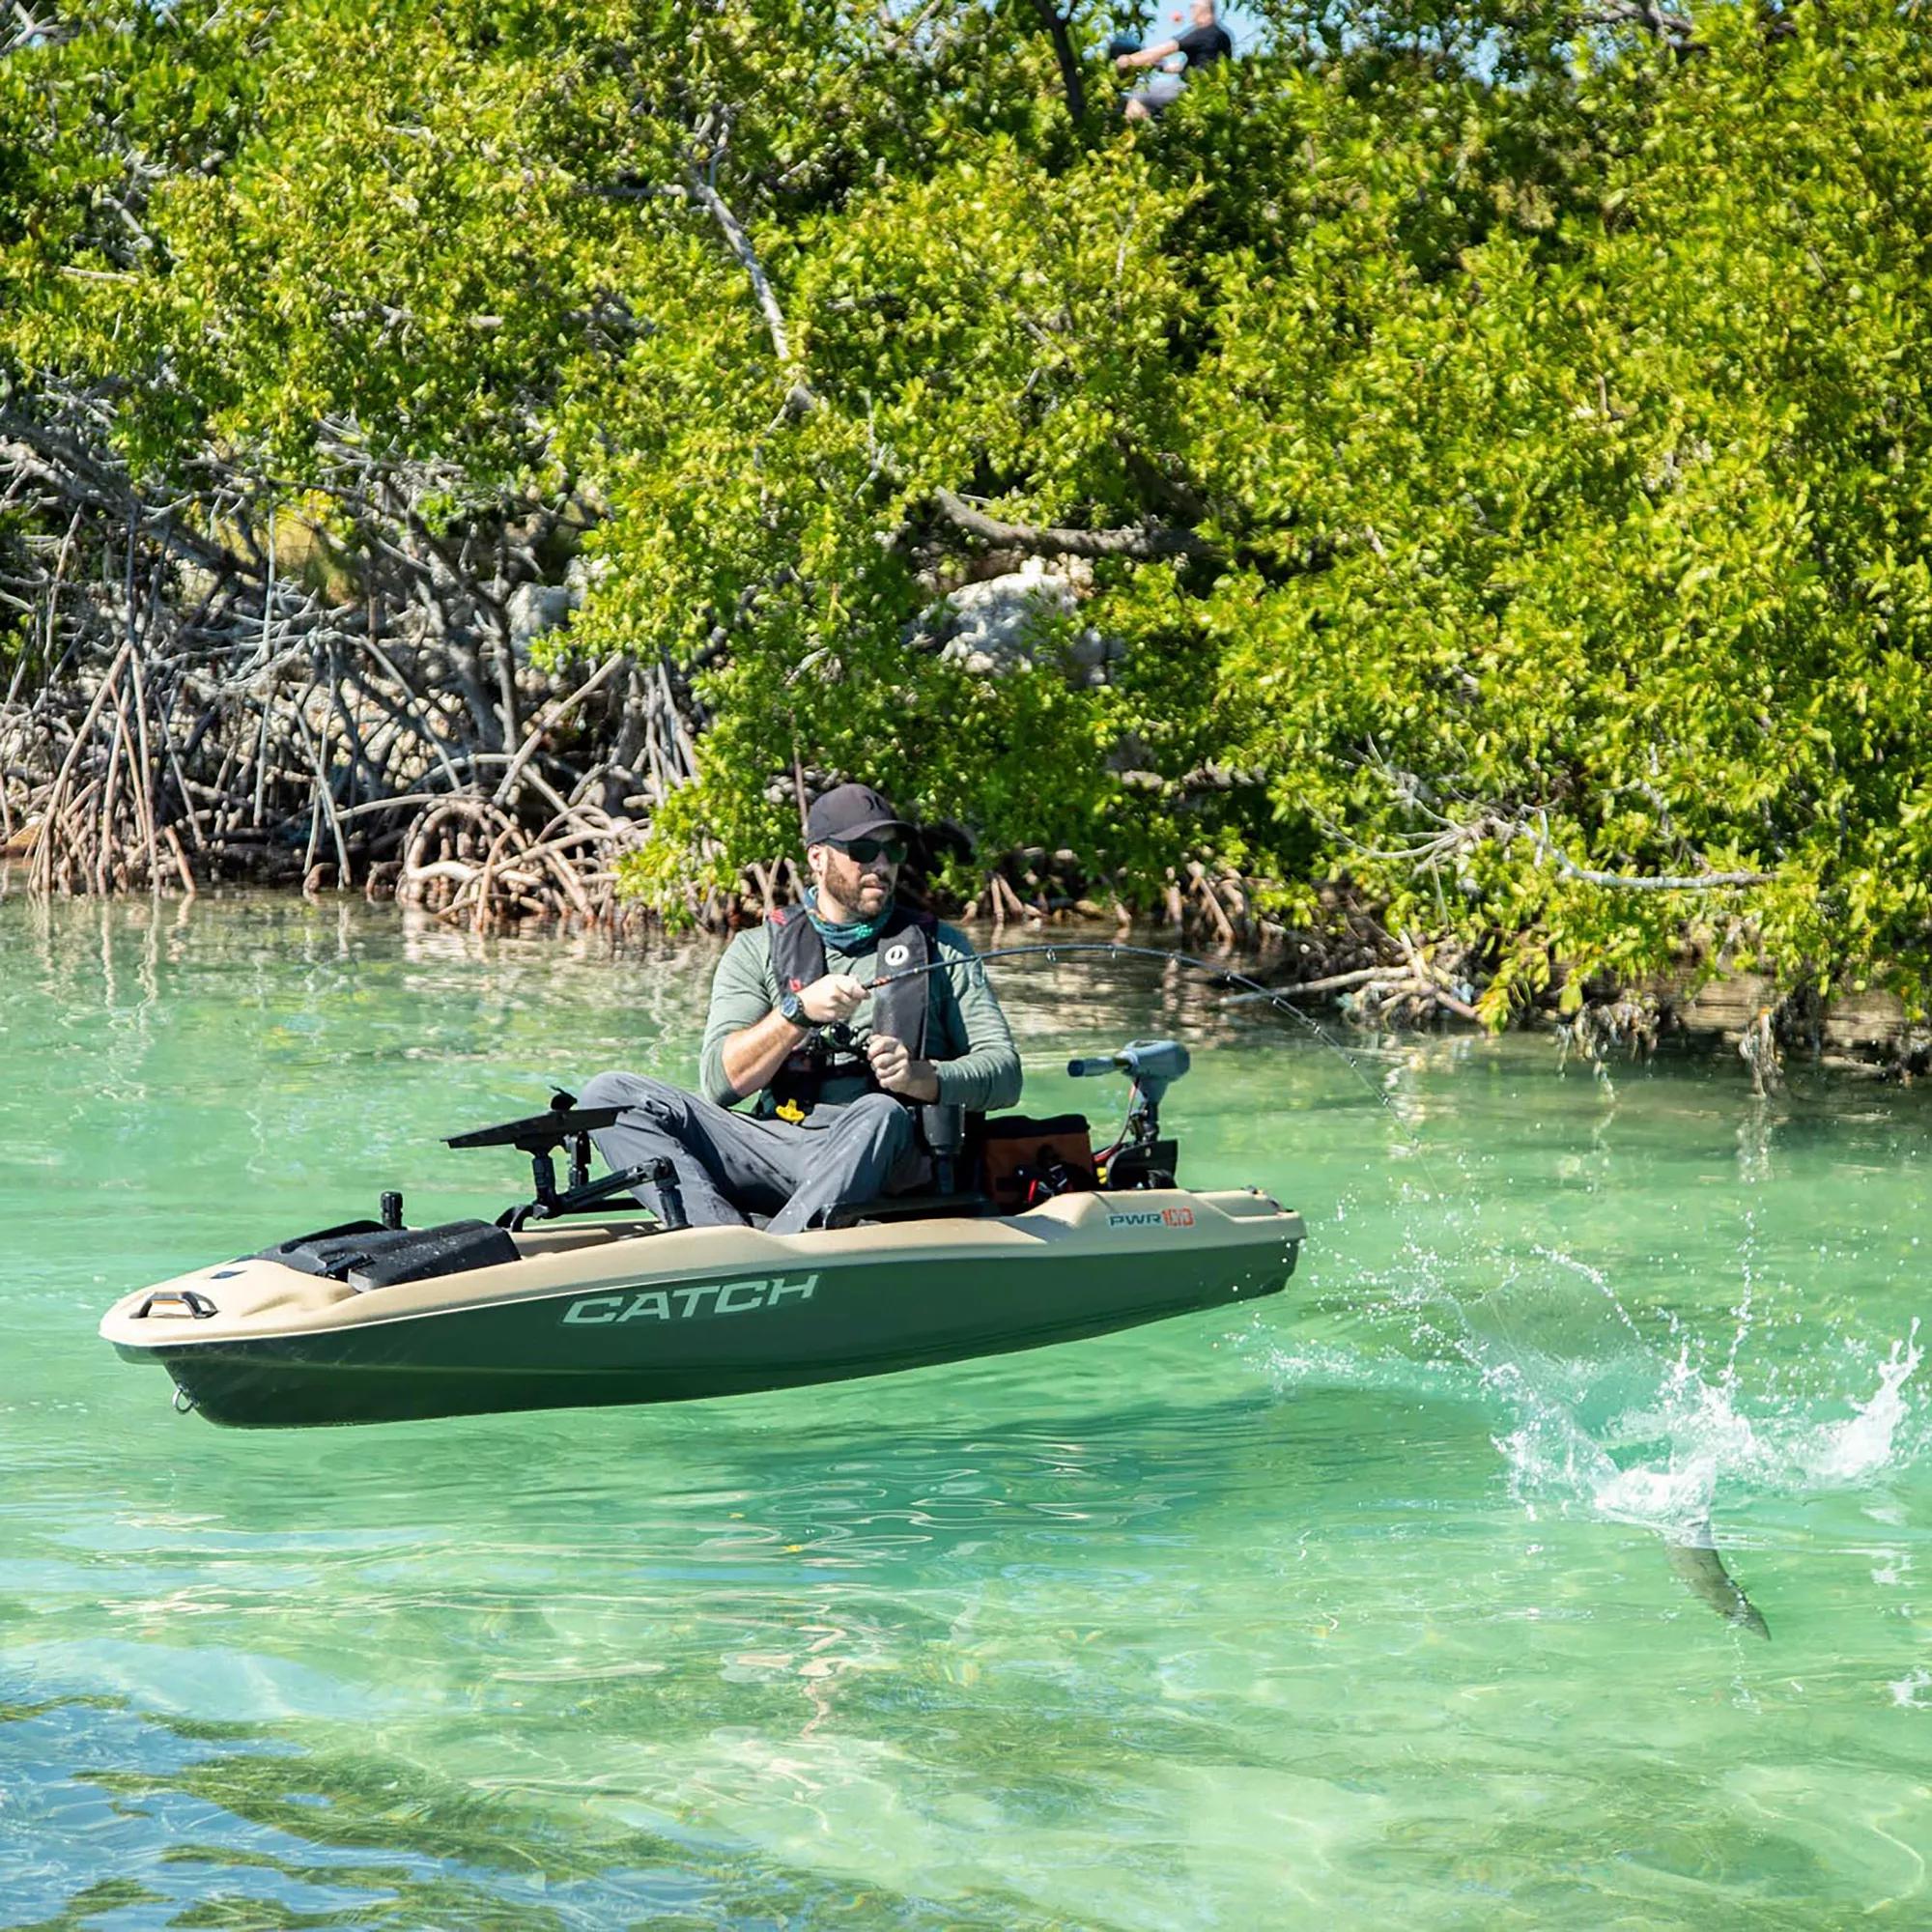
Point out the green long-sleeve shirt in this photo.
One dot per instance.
(967, 1038)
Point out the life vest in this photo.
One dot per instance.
(900, 1008)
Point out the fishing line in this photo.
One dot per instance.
(1697, 1561)
(1708, 1579)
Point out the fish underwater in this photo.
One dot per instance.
(1697, 1566)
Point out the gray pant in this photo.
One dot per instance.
(729, 1163)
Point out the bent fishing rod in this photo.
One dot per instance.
(1222, 976)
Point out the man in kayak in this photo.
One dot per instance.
(832, 1124)
(1204, 42)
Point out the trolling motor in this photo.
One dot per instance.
(567, 1125)
(1140, 1157)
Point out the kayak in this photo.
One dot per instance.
(598, 1313)
(581, 1298)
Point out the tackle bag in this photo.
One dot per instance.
(1025, 1161)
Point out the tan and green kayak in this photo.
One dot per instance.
(577, 1311)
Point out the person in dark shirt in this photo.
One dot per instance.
(1203, 43)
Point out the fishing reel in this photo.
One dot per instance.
(1140, 1157)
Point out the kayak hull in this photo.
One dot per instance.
(591, 1316)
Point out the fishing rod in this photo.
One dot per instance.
(1223, 976)
(1116, 948)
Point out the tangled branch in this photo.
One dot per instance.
(1450, 839)
(205, 688)
(1143, 543)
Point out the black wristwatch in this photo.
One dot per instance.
(792, 1009)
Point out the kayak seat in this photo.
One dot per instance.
(366, 1255)
(1011, 1162)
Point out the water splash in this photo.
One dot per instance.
(1709, 1435)
(1907, 1693)
(1649, 1425)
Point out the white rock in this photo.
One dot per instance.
(1004, 624)
(534, 609)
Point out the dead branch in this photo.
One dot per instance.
(799, 396)
(187, 702)
(1144, 543)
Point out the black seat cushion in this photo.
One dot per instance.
(378, 1257)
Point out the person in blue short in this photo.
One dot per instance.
(830, 1122)
(1204, 41)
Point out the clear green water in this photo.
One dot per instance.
(1351, 1610)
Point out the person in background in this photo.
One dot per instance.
(1201, 45)
(831, 1123)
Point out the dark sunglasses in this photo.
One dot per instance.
(868, 850)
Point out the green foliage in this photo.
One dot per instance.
(1554, 404)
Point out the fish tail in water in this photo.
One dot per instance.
(1695, 1561)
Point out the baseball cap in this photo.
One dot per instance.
(850, 812)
